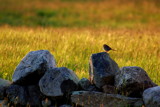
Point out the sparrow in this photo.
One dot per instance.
(107, 48)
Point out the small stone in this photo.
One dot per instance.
(84, 83)
(65, 105)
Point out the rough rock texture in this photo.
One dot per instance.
(86, 85)
(132, 81)
(58, 81)
(24, 95)
(109, 89)
(151, 97)
(102, 69)
(98, 99)
(3, 85)
(33, 66)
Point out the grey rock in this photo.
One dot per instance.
(58, 81)
(24, 95)
(84, 83)
(92, 88)
(102, 69)
(151, 97)
(99, 99)
(132, 81)
(3, 85)
(65, 105)
(32, 67)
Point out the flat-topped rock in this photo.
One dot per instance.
(102, 69)
(99, 99)
(32, 67)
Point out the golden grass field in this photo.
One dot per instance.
(73, 30)
(72, 47)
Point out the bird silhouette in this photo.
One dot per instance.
(107, 48)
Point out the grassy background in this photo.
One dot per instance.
(73, 30)
(73, 47)
(80, 13)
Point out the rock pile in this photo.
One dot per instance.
(37, 82)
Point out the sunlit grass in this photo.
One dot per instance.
(72, 48)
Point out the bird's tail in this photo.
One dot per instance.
(113, 50)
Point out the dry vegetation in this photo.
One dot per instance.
(72, 31)
(73, 47)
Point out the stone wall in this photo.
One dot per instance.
(37, 82)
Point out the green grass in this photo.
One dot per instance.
(80, 13)
(72, 47)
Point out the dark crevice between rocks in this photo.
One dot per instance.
(109, 80)
(68, 86)
(24, 96)
(134, 90)
(60, 100)
(3, 93)
(34, 77)
(30, 79)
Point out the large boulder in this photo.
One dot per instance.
(132, 81)
(102, 69)
(58, 81)
(33, 66)
(24, 95)
(99, 99)
(3, 85)
(151, 97)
